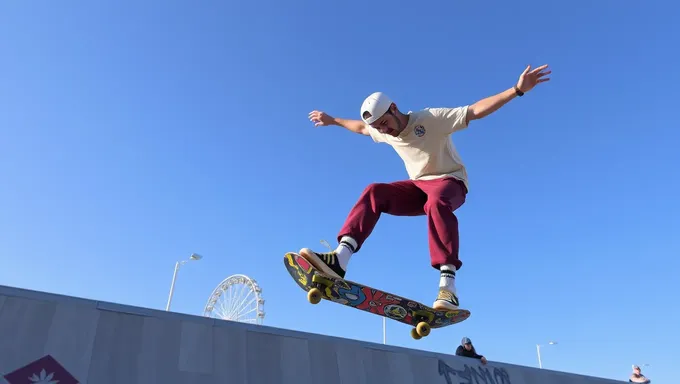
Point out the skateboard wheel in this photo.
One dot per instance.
(423, 329)
(414, 334)
(314, 296)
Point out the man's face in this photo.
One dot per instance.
(387, 124)
(636, 370)
(468, 346)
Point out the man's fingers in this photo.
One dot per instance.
(539, 69)
(526, 69)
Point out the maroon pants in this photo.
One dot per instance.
(435, 198)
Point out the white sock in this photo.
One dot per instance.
(345, 250)
(344, 253)
(447, 277)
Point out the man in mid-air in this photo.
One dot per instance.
(437, 183)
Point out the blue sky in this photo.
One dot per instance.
(135, 133)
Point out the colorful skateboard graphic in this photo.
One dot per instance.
(321, 286)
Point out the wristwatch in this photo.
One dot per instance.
(518, 92)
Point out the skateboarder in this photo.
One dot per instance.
(437, 183)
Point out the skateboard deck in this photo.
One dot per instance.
(322, 286)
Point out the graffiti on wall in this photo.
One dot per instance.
(473, 374)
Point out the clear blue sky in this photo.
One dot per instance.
(135, 133)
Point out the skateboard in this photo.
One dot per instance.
(322, 286)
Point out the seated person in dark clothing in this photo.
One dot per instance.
(466, 349)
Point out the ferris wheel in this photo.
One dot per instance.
(236, 298)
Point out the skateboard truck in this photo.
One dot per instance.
(423, 318)
(319, 284)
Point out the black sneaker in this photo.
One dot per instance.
(326, 262)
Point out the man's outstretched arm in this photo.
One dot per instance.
(489, 105)
(527, 81)
(356, 126)
(323, 119)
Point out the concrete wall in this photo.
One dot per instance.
(105, 343)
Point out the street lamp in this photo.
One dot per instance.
(193, 257)
(538, 352)
(384, 333)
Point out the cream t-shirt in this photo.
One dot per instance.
(425, 146)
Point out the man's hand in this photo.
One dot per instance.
(529, 79)
(320, 118)
(483, 360)
(323, 119)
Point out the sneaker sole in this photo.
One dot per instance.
(441, 305)
(309, 255)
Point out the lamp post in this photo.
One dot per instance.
(538, 352)
(193, 257)
(384, 333)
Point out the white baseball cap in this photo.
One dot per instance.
(376, 104)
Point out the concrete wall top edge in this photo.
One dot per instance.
(174, 316)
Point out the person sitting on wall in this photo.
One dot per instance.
(466, 349)
(638, 377)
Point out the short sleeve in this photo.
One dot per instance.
(376, 135)
(452, 119)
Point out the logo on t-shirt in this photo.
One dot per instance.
(419, 130)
